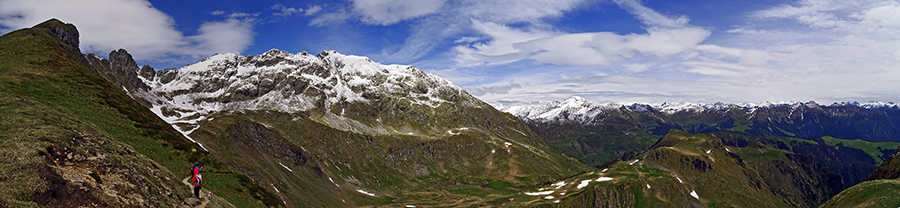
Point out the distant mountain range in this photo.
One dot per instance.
(845, 142)
(874, 121)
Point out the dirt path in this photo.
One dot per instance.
(203, 194)
(205, 202)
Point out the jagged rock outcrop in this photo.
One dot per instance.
(67, 33)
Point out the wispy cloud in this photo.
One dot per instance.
(334, 17)
(495, 89)
(665, 36)
(285, 11)
(313, 10)
(387, 12)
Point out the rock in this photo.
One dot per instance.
(168, 75)
(148, 72)
(123, 59)
(191, 202)
(68, 35)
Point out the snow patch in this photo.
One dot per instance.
(365, 192)
(558, 184)
(679, 180)
(633, 162)
(648, 186)
(549, 197)
(601, 179)
(584, 183)
(708, 151)
(332, 181)
(285, 167)
(694, 194)
(539, 193)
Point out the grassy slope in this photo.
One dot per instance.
(453, 171)
(38, 71)
(757, 175)
(871, 148)
(595, 145)
(875, 193)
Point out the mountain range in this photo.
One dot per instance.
(284, 129)
(843, 142)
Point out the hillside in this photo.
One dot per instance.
(683, 170)
(601, 135)
(72, 139)
(878, 191)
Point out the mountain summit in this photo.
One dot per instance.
(337, 85)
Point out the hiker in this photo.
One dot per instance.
(196, 179)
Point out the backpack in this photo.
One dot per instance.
(196, 179)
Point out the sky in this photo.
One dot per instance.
(507, 52)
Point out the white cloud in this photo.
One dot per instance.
(582, 49)
(146, 32)
(827, 51)
(218, 12)
(229, 36)
(495, 89)
(516, 11)
(650, 17)
(467, 39)
(243, 15)
(313, 10)
(338, 16)
(434, 21)
(285, 11)
(387, 12)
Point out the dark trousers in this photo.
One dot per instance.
(197, 191)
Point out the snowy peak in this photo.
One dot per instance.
(280, 81)
(578, 109)
(574, 108)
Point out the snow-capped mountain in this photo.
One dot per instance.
(284, 82)
(579, 109)
(575, 109)
(877, 121)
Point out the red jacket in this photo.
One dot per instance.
(196, 178)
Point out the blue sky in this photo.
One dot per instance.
(512, 51)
